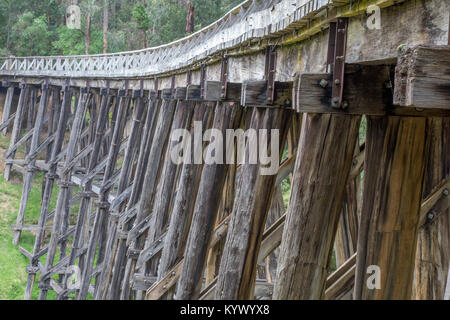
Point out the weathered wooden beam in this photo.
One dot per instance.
(254, 93)
(433, 243)
(7, 107)
(394, 172)
(347, 232)
(206, 206)
(21, 107)
(367, 90)
(64, 185)
(337, 279)
(124, 180)
(184, 201)
(97, 236)
(126, 220)
(237, 271)
(324, 158)
(49, 181)
(167, 182)
(160, 138)
(422, 79)
(213, 91)
(36, 131)
(193, 92)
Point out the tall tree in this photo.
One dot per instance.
(140, 15)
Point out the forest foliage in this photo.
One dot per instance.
(38, 28)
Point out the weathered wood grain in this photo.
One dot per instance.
(324, 158)
(238, 263)
(184, 202)
(206, 205)
(422, 78)
(433, 243)
(394, 172)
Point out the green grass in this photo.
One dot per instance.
(13, 277)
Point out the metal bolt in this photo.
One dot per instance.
(445, 192)
(337, 82)
(430, 215)
(323, 83)
(173, 273)
(419, 109)
(335, 102)
(344, 105)
(164, 286)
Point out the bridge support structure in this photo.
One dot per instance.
(368, 176)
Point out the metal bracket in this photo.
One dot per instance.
(336, 60)
(172, 87)
(202, 81)
(224, 78)
(270, 70)
(156, 85)
(189, 77)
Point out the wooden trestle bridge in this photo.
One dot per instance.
(132, 224)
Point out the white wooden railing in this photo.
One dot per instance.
(252, 20)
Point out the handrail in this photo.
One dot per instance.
(251, 20)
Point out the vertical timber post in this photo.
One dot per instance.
(324, 158)
(394, 172)
(237, 271)
(433, 244)
(206, 206)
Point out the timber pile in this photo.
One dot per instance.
(132, 224)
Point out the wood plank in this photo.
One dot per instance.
(237, 272)
(183, 208)
(433, 244)
(422, 79)
(206, 206)
(394, 172)
(324, 158)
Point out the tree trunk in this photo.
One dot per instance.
(105, 25)
(190, 17)
(88, 33)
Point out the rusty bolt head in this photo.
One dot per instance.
(323, 83)
(335, 102)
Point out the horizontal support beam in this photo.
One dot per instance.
(422, 78)
(367, 90)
